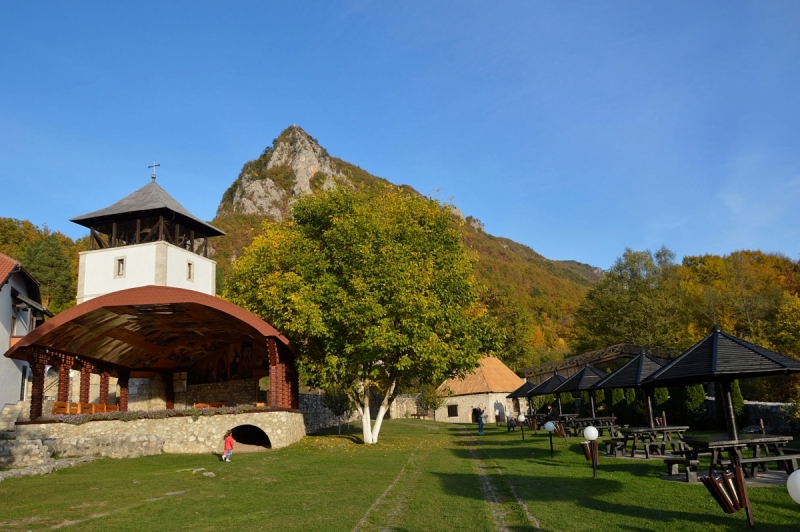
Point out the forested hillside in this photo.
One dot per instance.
(51, 257)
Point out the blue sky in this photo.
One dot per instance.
(576, 128)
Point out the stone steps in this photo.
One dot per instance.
(9, 416)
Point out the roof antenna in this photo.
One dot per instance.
(153, 166)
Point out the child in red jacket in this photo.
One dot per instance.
(226, 456)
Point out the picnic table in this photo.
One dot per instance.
(656, 438)
(601, 423)
(760, 446)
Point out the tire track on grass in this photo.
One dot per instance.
(399, 503)
(491, 496)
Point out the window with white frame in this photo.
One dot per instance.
(119, 267)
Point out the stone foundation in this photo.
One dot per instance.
(16, 453)
(115, 446)
(180, 434)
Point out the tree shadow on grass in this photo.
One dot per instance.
(583, 492)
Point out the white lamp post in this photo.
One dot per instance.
(590, 433)
(521, 421)
(793, 485)
(550, 427)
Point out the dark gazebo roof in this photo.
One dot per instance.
(722, 357)
(633, 373)
(522, 391)
(548, 386)
(150, 200)
(587, 377)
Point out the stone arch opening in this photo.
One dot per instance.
(251, 435)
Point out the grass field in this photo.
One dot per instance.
(421, 476)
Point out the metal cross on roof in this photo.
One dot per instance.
(153, 166)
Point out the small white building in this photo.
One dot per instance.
(488, 385)
(21, 311)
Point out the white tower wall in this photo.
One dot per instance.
(155, 263)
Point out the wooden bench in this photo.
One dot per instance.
(690, 466)
(418, 416)
(61, 408)
(216, 404)
(786, 462)
(615, 446)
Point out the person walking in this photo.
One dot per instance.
(226, 456)
(480, 419)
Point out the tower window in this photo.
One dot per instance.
(189, 270)
(119, 267)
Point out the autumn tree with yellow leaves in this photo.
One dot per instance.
(374, 293)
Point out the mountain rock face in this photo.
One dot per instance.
(294, 165)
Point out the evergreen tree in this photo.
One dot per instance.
(46, 260)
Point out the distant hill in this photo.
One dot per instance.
(296, 165)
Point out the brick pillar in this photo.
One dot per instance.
(37, 392)
(63, 379)
(86, 374)
(275, 377)
(122, 380)
(104, 387)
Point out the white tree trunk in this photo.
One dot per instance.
(382, 412)
(366, 422)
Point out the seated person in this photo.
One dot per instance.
(512, 423)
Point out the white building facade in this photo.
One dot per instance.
(20, 312)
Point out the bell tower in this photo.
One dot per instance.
(146, 238)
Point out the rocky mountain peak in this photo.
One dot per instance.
(294, 165)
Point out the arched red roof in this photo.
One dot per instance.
(151, 327)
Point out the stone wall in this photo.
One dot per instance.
(238, 392)
(403, 406)
(23, 453)
(318, 417)
(146, 394)
(180, 434)
(113, 446)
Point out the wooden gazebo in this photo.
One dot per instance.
(142, 332)
(723, 358)
(583, 381)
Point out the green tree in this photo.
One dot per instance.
(636, 302)
(430, 399)
(516, 325)
(373, 292)
(337, 400)
(15, 235)
(46, 260)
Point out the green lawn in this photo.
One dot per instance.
(422, 476)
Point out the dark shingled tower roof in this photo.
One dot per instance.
(587, 377)
(722, 357)
(150, 200)
(548, 386)
(633, 373)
